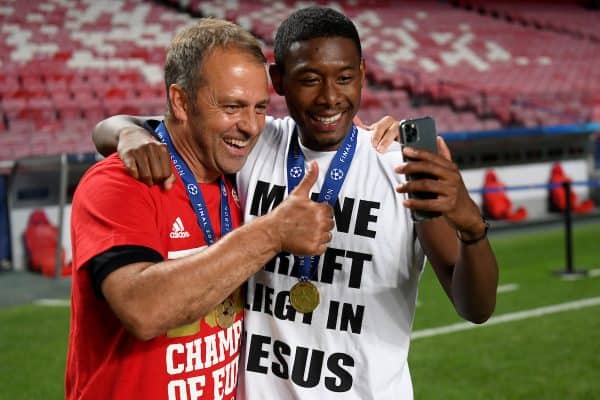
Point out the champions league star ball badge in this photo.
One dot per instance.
(193, 189)
(295, 172)
(336, 174)
(235, 196)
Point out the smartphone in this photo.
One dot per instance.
(420, 133)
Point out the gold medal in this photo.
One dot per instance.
(304, 297)
(225, 313)
(185, 330)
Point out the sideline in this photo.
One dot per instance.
(53, 302)
(500, 319)
(509, 287)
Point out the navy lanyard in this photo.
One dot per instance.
(334, 179)
(195, 194)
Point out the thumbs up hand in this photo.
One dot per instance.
(303, 225)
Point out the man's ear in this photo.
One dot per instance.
(276, 78)
(363, 70)
(179, 102)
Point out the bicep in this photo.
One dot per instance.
(104, 264)
(119, 286)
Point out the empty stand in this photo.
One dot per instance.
(66, 65)
(492, 66)
(559, 16)
(476, 66)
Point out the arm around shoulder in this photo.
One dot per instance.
(144, 157)
(107, 132)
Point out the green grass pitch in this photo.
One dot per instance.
(555, 356)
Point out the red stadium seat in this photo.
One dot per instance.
(558, 197)
(496, 204)
(41, 241)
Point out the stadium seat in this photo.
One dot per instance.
(41, 240)
(468, 64)
(557, 197)
(496, 203)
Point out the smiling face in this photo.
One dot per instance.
(229, 110)
(321, 80)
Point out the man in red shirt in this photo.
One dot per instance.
(156, 306)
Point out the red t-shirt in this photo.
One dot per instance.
(199, 361)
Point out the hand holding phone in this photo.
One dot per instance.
(420, 133)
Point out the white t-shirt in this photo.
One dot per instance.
(355, 344)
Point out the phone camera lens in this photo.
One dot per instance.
(411, 132)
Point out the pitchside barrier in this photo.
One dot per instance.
(567, 215)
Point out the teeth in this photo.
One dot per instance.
(236, 142)
(328, 120)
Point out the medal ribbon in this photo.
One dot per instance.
(334, 179)
(195, 194)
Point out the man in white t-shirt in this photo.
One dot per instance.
(339, 326)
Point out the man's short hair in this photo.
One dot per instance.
(192, 45)
(310, 23)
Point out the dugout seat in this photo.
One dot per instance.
(557, 199)
(40, 239)
(496, 204)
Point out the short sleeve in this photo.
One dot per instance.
(110, 208)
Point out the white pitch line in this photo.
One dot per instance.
(594, 272)
(53, 302)
(509, 287)
(500, 319)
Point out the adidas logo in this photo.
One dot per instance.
(178, 231)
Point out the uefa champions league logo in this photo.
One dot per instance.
(295, 172)
(193, 189)
(235, 196)
(336, 174)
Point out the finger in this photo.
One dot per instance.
(144, 170)
(391, 135)
(435, 205)
(320, 250)
(380, 128)
(168, 183)
(424, 185)
(330, 218)
(443, 149)
(160, 164)
(413, 154)
(415, 169)
(327, 216)
(131, 167)
(325, 237)
(358, 122)
(307, 182)
(165, 161)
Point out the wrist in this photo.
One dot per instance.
(271, 236)
(472, 236)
